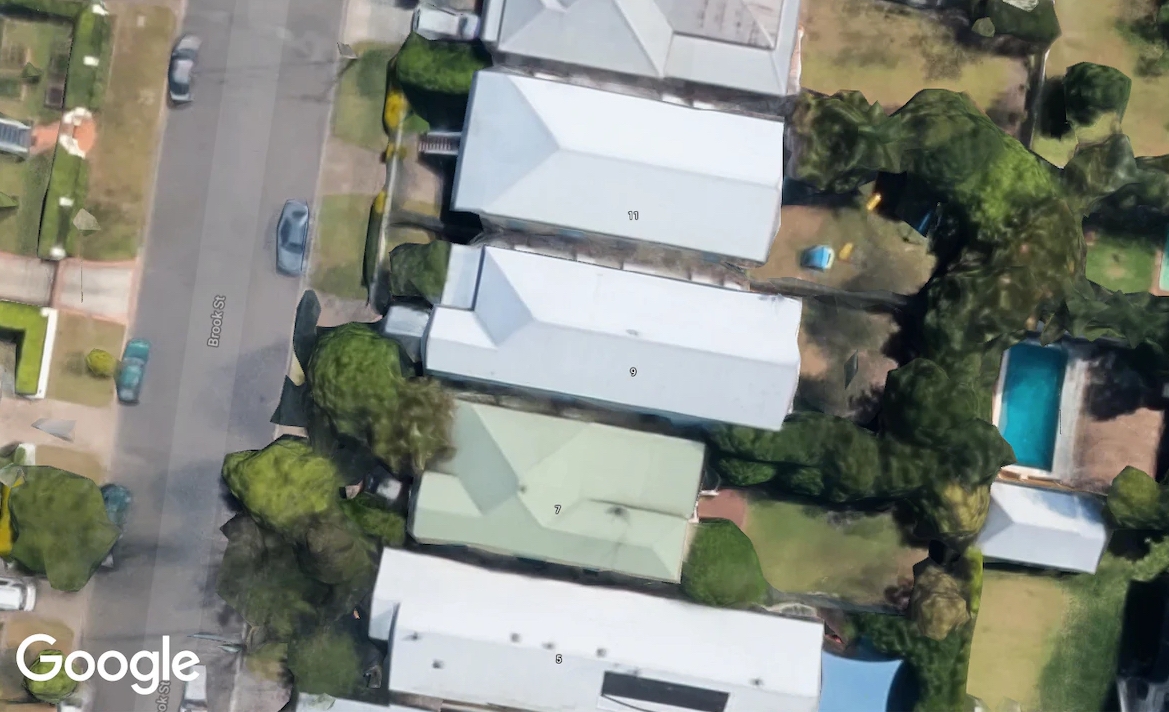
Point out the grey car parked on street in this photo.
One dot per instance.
(292, 238)
(182, 69)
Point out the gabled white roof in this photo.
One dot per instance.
(555, 154)
(643, 342)
(1044, 527)
(737, 44)
(468, 634)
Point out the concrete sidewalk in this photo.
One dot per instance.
(25, 279)
(385, 21)
(102, 289)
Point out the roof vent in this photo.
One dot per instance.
(757, 682)
(549, 645)
(515, 637)
(437, 665)
(601, 652)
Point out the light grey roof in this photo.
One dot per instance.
(1044, 527)
(546, 152)
(648, 343)
(466, 633)
(738, 44)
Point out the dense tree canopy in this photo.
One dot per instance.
(1094, 89)
(438, 66)
(356, 380)
(1136, 501)
(419, 270)
(328, 662)
(61, 526)
(722, 568)
(286, 486)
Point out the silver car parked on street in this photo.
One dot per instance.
(182, 69)
(292, 238)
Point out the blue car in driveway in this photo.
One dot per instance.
(132, 370)
(292, 238)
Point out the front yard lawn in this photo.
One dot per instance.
(361, 98)
(122, 162)
(851, 556)
(1120, 260)
(69, 380)
(340, 245)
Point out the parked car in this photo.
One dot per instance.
(182, 69)
(117, 500)
(292, 238)
(17, 594)
(132, 370)
(437, 23)
(195, 694)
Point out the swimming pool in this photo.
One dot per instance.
(1029, 418)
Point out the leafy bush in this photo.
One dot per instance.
(1038, 26)
(722, 568)
(1093, 89)
(845, 141)
(328, 662)
(386, 527)
(437, 66)
(101, 363)
(1136, 501)
(55, 689)
(61, 525)
(419, 270)
(937, 604)
(356, 380)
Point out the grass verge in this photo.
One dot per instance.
(361, 98)
(69, 380)
(340, 245)
(122, 161)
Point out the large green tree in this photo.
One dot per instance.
(356, 380)
(721, 568)
(55, 689)
(61, 526)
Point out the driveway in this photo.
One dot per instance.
(25, 279)
(101, 289)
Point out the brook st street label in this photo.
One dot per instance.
(217, 306)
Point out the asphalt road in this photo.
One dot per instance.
(251, 139)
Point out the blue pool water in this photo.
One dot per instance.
(1029, 419)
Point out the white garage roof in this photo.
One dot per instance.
(737, 44)
(648, 343)
(1044, 527)
(472, 635)
(581, 159)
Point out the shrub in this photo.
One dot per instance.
(55, 689)
(1136, 501)
(1039, 26)
(937, 605)
(437, 66)
(722, 568)
(328, 662)
(386, 527)
(1093, 89)
(419, 270)
(100, 363)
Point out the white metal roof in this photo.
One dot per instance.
(473, 635)
(576, 158)
(1044, 527)
(738, 44)
(323, 703)
(648, 343)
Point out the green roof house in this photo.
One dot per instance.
(571, 492)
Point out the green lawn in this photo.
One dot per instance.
(340, 245)
(1019, 621)
(802, 551)
(361, 98)
(31, 41)
(122, 163)
(69, 380)
(1122, 261)
(24, 324)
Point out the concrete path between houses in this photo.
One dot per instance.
(25, 279)
(101, 289)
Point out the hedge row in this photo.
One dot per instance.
(31, 328)
(69, 179)
(92, 37)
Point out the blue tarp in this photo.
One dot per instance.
(854, 685)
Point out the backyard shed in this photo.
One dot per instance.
(688, 351)
(470, 635)
(568, 491)
(550, 156)
(750, 46)
(1044, 527)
